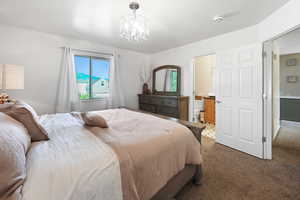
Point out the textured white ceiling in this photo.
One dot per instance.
(173, 22)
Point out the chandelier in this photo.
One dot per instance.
(134, 27)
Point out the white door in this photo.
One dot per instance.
(239, 99)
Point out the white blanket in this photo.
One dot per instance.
(72, 165)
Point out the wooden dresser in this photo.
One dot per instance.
(172, 106)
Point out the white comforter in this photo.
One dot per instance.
(72, 165)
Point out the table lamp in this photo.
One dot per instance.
(11, 78)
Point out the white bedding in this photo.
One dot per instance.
(72, 165)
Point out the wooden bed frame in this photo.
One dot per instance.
(191, 173)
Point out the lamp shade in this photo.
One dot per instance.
(11, 77)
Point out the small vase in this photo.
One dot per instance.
(145, 88)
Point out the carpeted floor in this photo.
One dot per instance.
(288, 137)
(232, 175)
(209, 131)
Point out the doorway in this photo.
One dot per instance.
(204, 93)
(286, 92)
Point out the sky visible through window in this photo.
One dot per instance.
(100, 67)
(100, 76)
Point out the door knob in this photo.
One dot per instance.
(218, 101)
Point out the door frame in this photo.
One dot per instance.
(193, 91)
(268, 92)
(267, 98)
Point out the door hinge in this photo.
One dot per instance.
(264, 139)
(265, 97)
(264, 54)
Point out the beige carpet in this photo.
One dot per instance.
(232, 175)
(209, 131)
(288, 137)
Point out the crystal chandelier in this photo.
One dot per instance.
(134, 27)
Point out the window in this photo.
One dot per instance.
(92, 75)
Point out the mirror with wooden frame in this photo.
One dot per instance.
(166, 80)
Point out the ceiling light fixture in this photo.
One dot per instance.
(134, 27)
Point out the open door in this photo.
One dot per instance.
(239, 99)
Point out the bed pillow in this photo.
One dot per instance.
(25, 114)
(14, 143)
(94, 119)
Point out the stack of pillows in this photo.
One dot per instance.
(19, 126)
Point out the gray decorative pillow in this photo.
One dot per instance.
(94, 119)
(14, 143)
(25, 114)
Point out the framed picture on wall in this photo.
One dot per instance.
(292, 79)
(291, 62)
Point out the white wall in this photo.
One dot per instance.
(289, 43)
(40, 53)
(183, 56)
(286, 88)
(281, 21)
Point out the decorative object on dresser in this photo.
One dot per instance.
(166, 99)
(145, 77)
(146, 89)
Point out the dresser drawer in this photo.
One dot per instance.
(145, 99)
(168, 111)
(165, 102)
(147, 107)
(170, 102)
(157, 101)
(171, 106)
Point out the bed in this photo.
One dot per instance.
(139, 157)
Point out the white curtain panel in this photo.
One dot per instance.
(67, 96)
(116, 97)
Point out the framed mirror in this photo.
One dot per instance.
(166, 80)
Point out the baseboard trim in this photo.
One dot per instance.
(289, 123)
